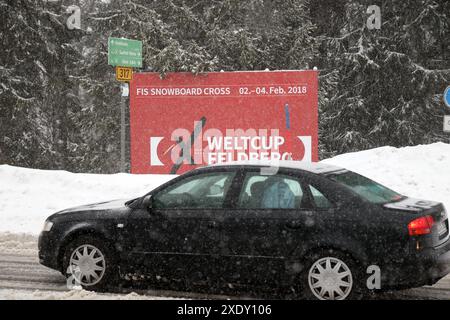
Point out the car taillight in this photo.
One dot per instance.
(421, 226)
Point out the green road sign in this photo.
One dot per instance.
(124, 52)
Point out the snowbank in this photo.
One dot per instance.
(28, 196)
(18, 244)
(421, 171)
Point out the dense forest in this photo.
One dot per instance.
(60, 102)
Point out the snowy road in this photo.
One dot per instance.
(24, 272)
(21, 274)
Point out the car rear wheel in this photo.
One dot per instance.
(90, 263)
(331, 275)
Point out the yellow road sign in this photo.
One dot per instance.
(124, 73)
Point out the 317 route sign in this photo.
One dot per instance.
(124, 73)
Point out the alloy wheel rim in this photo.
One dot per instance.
(330, 278)
(87, 265)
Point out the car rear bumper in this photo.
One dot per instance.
(442, 265)
(422, 268)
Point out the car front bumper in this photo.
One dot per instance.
(48, 250)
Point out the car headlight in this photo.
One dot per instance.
(47, 226)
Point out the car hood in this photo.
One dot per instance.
(411, 204)
(106, 206)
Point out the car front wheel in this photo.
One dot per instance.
(90, 263)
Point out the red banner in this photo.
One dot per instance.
(183, 120)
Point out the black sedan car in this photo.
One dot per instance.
(316, 228)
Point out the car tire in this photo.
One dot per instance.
(90, 263)
(331, 275)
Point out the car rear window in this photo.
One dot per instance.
(366, 188)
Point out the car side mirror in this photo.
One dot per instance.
(147, 202)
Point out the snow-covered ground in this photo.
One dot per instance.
(18, 244)
(29, 196)
(13, 294)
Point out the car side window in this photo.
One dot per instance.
(270, 192)
(320, 201)
(207, 190)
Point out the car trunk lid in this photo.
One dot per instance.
(422, 208)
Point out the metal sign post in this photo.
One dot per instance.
(124, 54)
(123, 107)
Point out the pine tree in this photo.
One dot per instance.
(383, 86)
(60, 103)
(37, 96)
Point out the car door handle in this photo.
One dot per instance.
(296, 224)
(212, 224)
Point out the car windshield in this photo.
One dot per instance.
(366, 188)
